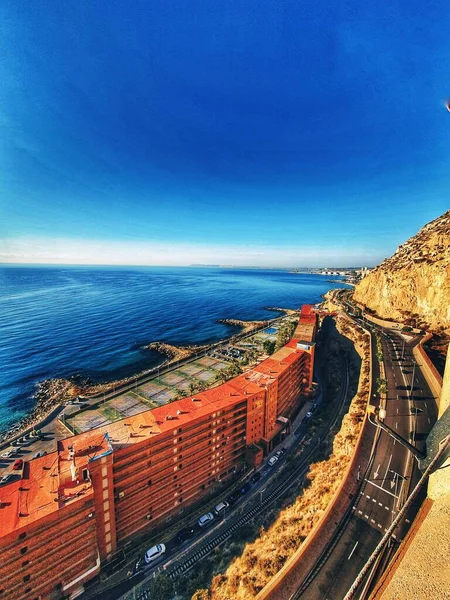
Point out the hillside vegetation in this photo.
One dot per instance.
(264, 557)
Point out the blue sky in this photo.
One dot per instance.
(260, 132)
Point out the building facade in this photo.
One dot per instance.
(75, 508)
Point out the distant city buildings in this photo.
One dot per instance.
(73, 509)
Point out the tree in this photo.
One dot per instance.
(160, 588)
(382, 385)
(269, 346)
(201, 595)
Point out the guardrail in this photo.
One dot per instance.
(429, 371)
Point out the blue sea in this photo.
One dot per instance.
(94, 321)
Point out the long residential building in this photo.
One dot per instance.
(75, 508)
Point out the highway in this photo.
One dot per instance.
(392, 473)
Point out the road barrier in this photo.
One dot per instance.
(430, 372)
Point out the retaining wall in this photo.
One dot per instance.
(430, 372)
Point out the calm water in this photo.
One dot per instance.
(57, 322)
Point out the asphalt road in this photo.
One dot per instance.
(393, 472)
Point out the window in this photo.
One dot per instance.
(25, 562)
(24, 550)
(85, 474)
(149, 482)
(26, 578)
(22, 535)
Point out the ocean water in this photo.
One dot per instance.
(94, 321)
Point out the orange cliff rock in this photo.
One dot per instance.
(414, 283)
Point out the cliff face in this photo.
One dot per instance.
(415, 281)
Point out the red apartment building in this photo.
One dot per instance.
(74, 509)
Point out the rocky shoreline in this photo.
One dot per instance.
(246, 326)
(52, 393)
(176, 353)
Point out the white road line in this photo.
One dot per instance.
(396, 424)
(387, 470)
(426, 405)
(351, 553)
(429, 420)
(380, 488)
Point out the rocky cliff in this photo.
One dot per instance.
(414, 284)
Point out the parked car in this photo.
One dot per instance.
(233, 498)
(307, 417)
(18, 464)
(221, 507)
(272, 461)
(154, 553)
(7, 454)
(206, 519)
(184, 534)
(313, 407)
(256, 477)
(278, 453)
(5, 478)
(246, 488)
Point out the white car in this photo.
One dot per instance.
(5, 478)
(205, 519)
(154, 553)
(219, 508)
(272, 461)
(7, 454)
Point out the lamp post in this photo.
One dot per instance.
(379, 414)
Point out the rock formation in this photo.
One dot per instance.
(414, 284)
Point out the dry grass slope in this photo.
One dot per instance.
(263, 558)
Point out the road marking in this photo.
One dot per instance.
(381, 488)
(429, 420)
(375, 475)
(351, 553)
(396, 424)
(397, 410)
(389, 464)
(426, 404)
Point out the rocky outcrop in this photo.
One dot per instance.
(413, 285)
(246, 326)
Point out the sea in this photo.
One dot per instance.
(94, 322)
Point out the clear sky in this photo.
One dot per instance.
(256, 132)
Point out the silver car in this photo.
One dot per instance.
(154, 553)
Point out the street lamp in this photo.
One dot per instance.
(379, 414)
